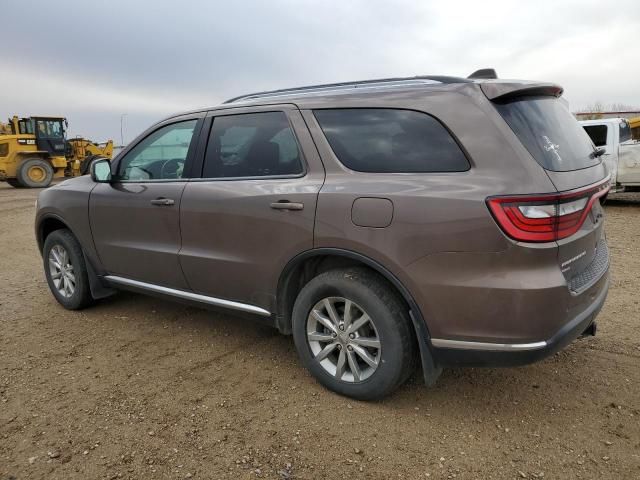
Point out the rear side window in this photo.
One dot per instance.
(553, 136)
(25, 126)
(252, 145)
(390, 141)
(597, 133)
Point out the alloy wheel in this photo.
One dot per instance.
(343, 339)
(61, 271)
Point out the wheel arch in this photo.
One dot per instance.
(51, 222)
(48, 224)
(312, 262)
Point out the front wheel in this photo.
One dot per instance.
(352, 331)
(66, 271)
(35, 173)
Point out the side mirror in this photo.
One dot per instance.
(101, 170)
(600, 151)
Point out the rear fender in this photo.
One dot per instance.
(430, 370)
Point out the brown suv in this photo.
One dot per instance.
(452, 220)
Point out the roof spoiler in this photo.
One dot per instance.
(484, 73)
(503, 91)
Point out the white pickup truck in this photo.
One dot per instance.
(621, 153)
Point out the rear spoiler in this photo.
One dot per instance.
(508, 90)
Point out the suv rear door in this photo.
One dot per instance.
(135, 219)
(253, 209)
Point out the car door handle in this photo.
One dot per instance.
(284, 205)
(163, 202)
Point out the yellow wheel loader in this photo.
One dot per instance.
(35, 150)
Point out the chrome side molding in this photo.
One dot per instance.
(495, 347)
(172, 292)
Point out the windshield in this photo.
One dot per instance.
(550, 133)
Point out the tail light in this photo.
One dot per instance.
(548, 217)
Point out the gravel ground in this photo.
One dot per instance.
(138, 388)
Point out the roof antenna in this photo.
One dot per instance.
(484, 73)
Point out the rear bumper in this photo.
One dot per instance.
(455, 353)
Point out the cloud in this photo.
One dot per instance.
(93, 61)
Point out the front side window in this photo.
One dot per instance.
(390, 141)
(252, 145)
(598, 134)
(160, 156)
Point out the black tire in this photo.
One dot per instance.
(85, 166)
(392, 324)
(81, 296)
(14, 182)
(42, 166)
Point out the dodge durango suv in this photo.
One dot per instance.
(384, 223)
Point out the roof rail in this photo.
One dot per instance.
(327, 87)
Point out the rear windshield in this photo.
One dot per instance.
(551, 134)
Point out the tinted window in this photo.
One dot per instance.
(25, 126)
(551, 134)
(252, 145)
(386, 140)
(49, 129)
(625, 131)
(160, 156)
(598, 134)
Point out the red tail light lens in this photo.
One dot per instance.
(545, 218)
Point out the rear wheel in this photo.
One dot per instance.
(353, 333)
(35, 173)
(14, 182)
(66, 270)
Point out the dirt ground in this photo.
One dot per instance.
(139, 388)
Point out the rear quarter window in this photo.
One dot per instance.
(390, 141)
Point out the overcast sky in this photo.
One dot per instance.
(94, 61)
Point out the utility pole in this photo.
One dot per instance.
(122, 129)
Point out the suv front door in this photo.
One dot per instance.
(135, 219)
(254, 207)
